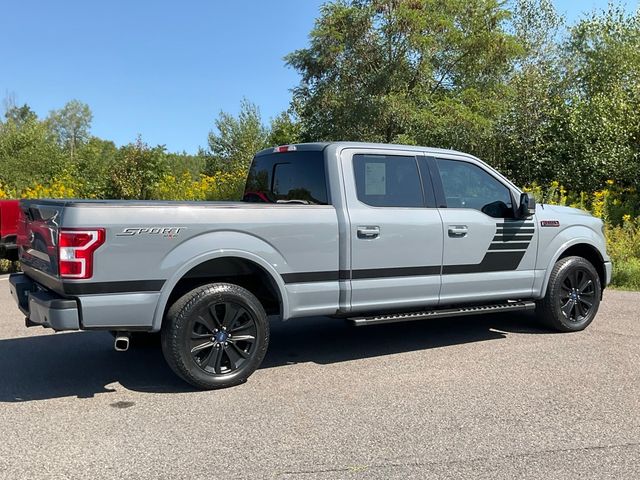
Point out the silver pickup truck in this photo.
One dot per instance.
(368, 232)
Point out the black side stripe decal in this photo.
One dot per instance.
(507, 249)
(508, 246)
(492, 262)
(345, 274)
(512, 238)
(514, 224)
(96, 288)
(515, 230)
(396, 272)
(306, 277)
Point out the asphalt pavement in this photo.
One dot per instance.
(492, 397)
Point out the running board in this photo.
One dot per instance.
(445, 312)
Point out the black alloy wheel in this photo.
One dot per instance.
(573, 295)
(223, 338)
(215, 336)
(578, 294)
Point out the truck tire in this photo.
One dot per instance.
(215, 336)
(573, 295)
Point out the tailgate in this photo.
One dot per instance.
(37, 240)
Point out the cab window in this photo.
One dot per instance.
(289, 177)
(388, 181)
(468, 186)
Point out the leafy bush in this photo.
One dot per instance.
(626, 275)
(617, 207)
(137, 170)
(613, 204)
(4, 193)
(28, 154)
(220, 186)
(623, 241)
(61, 187)
(8, 267)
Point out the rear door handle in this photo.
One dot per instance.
(458, 231)
(368, 233)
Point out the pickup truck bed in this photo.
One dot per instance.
(141, 261)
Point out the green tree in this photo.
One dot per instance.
(92, 166)
(411, 71)
(284, 130)
(71, 124)
(527, 139)
(20, 115)
(236, 139)
(137, 170)
(602, 128)
(28, 151)
(179, 163)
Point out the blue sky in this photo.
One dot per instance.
(158, 68)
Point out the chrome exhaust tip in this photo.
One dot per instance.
(121, 343)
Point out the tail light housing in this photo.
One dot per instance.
(285, 148)
(75, 251)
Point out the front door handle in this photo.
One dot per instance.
(368, 233)
(458, 231)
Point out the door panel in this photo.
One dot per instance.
(487, 255)
(396, 250)
(494, 260)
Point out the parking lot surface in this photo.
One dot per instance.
(491, 397)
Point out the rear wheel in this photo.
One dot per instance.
(573, 295)
(215, 336)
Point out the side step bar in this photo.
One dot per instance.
(445, 312)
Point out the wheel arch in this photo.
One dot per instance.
(581, 248)
(226, 265)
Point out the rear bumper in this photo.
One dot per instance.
(42, 307)
(108, 311)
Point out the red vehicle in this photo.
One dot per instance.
(9, 210)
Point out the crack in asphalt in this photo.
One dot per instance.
(358, 468)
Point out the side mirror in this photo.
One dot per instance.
(527, 206)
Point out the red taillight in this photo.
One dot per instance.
(75, 251)
(284, 148)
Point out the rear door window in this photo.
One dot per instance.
(388, 180)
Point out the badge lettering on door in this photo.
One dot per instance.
(549, 223)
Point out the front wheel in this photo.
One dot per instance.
(573, 295)
(215, 336)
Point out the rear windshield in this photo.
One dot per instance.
(289, 177)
